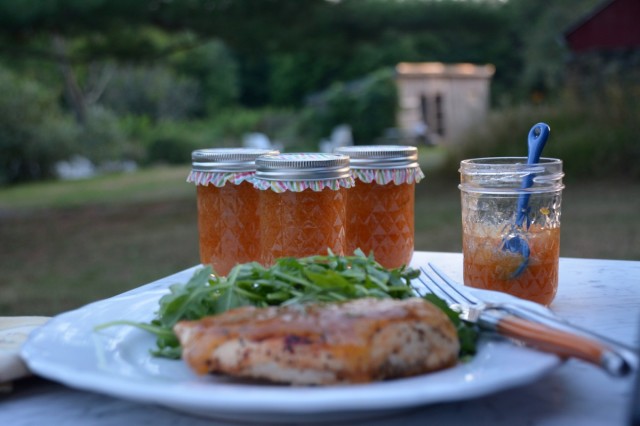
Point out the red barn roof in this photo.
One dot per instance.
(613, 24)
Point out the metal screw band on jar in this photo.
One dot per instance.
(219, 166)
(302, 167)
(381, 156)
(223, 160)
(384, 163)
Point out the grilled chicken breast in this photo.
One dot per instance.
(318, 344)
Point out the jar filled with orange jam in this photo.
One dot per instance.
(227, 205)
(302, 205)
(380, 207)
(510, 231)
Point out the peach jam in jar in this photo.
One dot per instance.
(227, 205)
(302, 204)
(380, 207)
(499, 211)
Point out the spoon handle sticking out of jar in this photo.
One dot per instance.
(515, 242)
(537, 139)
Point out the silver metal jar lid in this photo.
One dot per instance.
(224, 160)
(302, 166)
(381, 156)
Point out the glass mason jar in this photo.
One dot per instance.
(227, 205)
(380, 207)
(302, 205)
(511, 225)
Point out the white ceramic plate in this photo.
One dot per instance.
(117, 362)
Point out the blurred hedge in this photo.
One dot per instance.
(367, 105)
(153, 91)
(34, 132)
(103, 139)
(597, 135)
(172, 141)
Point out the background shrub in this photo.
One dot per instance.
(212, 66)
(173, 141)
(153, 91)
(103, 139)
(34, 132)
(368, 105)
(595, 136)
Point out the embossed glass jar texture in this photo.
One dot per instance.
(381, 205)
(302, 204)
(499, 213)
(228, 222)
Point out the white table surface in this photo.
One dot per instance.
(602, 295)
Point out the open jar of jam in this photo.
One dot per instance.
(302, 205)
(227, 205)
(380, 207)
(510, 231)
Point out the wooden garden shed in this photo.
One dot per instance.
(447, 98)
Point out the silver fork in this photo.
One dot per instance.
(543, 315)
(522, 324)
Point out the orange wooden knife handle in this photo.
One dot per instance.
(552, 340)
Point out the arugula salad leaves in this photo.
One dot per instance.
(328, 278)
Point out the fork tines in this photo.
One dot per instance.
(438, 283)
(464, 294)
(430, 283)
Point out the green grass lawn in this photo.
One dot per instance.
(158, 183)
(64, 244)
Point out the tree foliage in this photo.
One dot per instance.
(34, 132)
(152, 91)
(367, 105)
(537, 35)
(285, 49)
(148, 61)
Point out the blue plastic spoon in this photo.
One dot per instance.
(514, 242)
